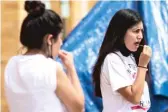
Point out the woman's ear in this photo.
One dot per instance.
(49, 39)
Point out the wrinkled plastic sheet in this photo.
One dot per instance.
(85, 40)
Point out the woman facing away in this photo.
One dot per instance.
(34, 81)
(120, 70)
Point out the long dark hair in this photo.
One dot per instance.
(114, 38)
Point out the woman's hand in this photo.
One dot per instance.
(67, 59)
(145, 56)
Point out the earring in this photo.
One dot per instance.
(50, 51)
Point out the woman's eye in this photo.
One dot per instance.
(136, 31)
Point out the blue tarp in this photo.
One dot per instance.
(85, 40)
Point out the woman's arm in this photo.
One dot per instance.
(69, 89)
(134, 92)
(67, 93)
(75, 81)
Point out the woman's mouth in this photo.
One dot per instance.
(137, 44)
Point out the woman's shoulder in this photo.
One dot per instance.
(55, 63)
(114, 56)
(13, 59)
(52, 62)
(11, 62)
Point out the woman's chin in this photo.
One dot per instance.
(134, 50)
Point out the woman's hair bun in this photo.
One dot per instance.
(34, 8)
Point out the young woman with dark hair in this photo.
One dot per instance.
(34, 81)
(120, 70)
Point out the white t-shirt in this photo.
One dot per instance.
(30, 84)
(119, 71)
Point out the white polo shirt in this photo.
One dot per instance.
(119, 71)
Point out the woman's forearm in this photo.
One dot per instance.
(75, 82)
(138, 86)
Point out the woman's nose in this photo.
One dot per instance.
(140, 35)
(61, 42)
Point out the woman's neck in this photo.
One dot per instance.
(34, 51)
(124, 51)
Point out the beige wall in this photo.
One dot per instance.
(12, 14)
(9, 38)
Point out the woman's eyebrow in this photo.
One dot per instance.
(137, 28)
